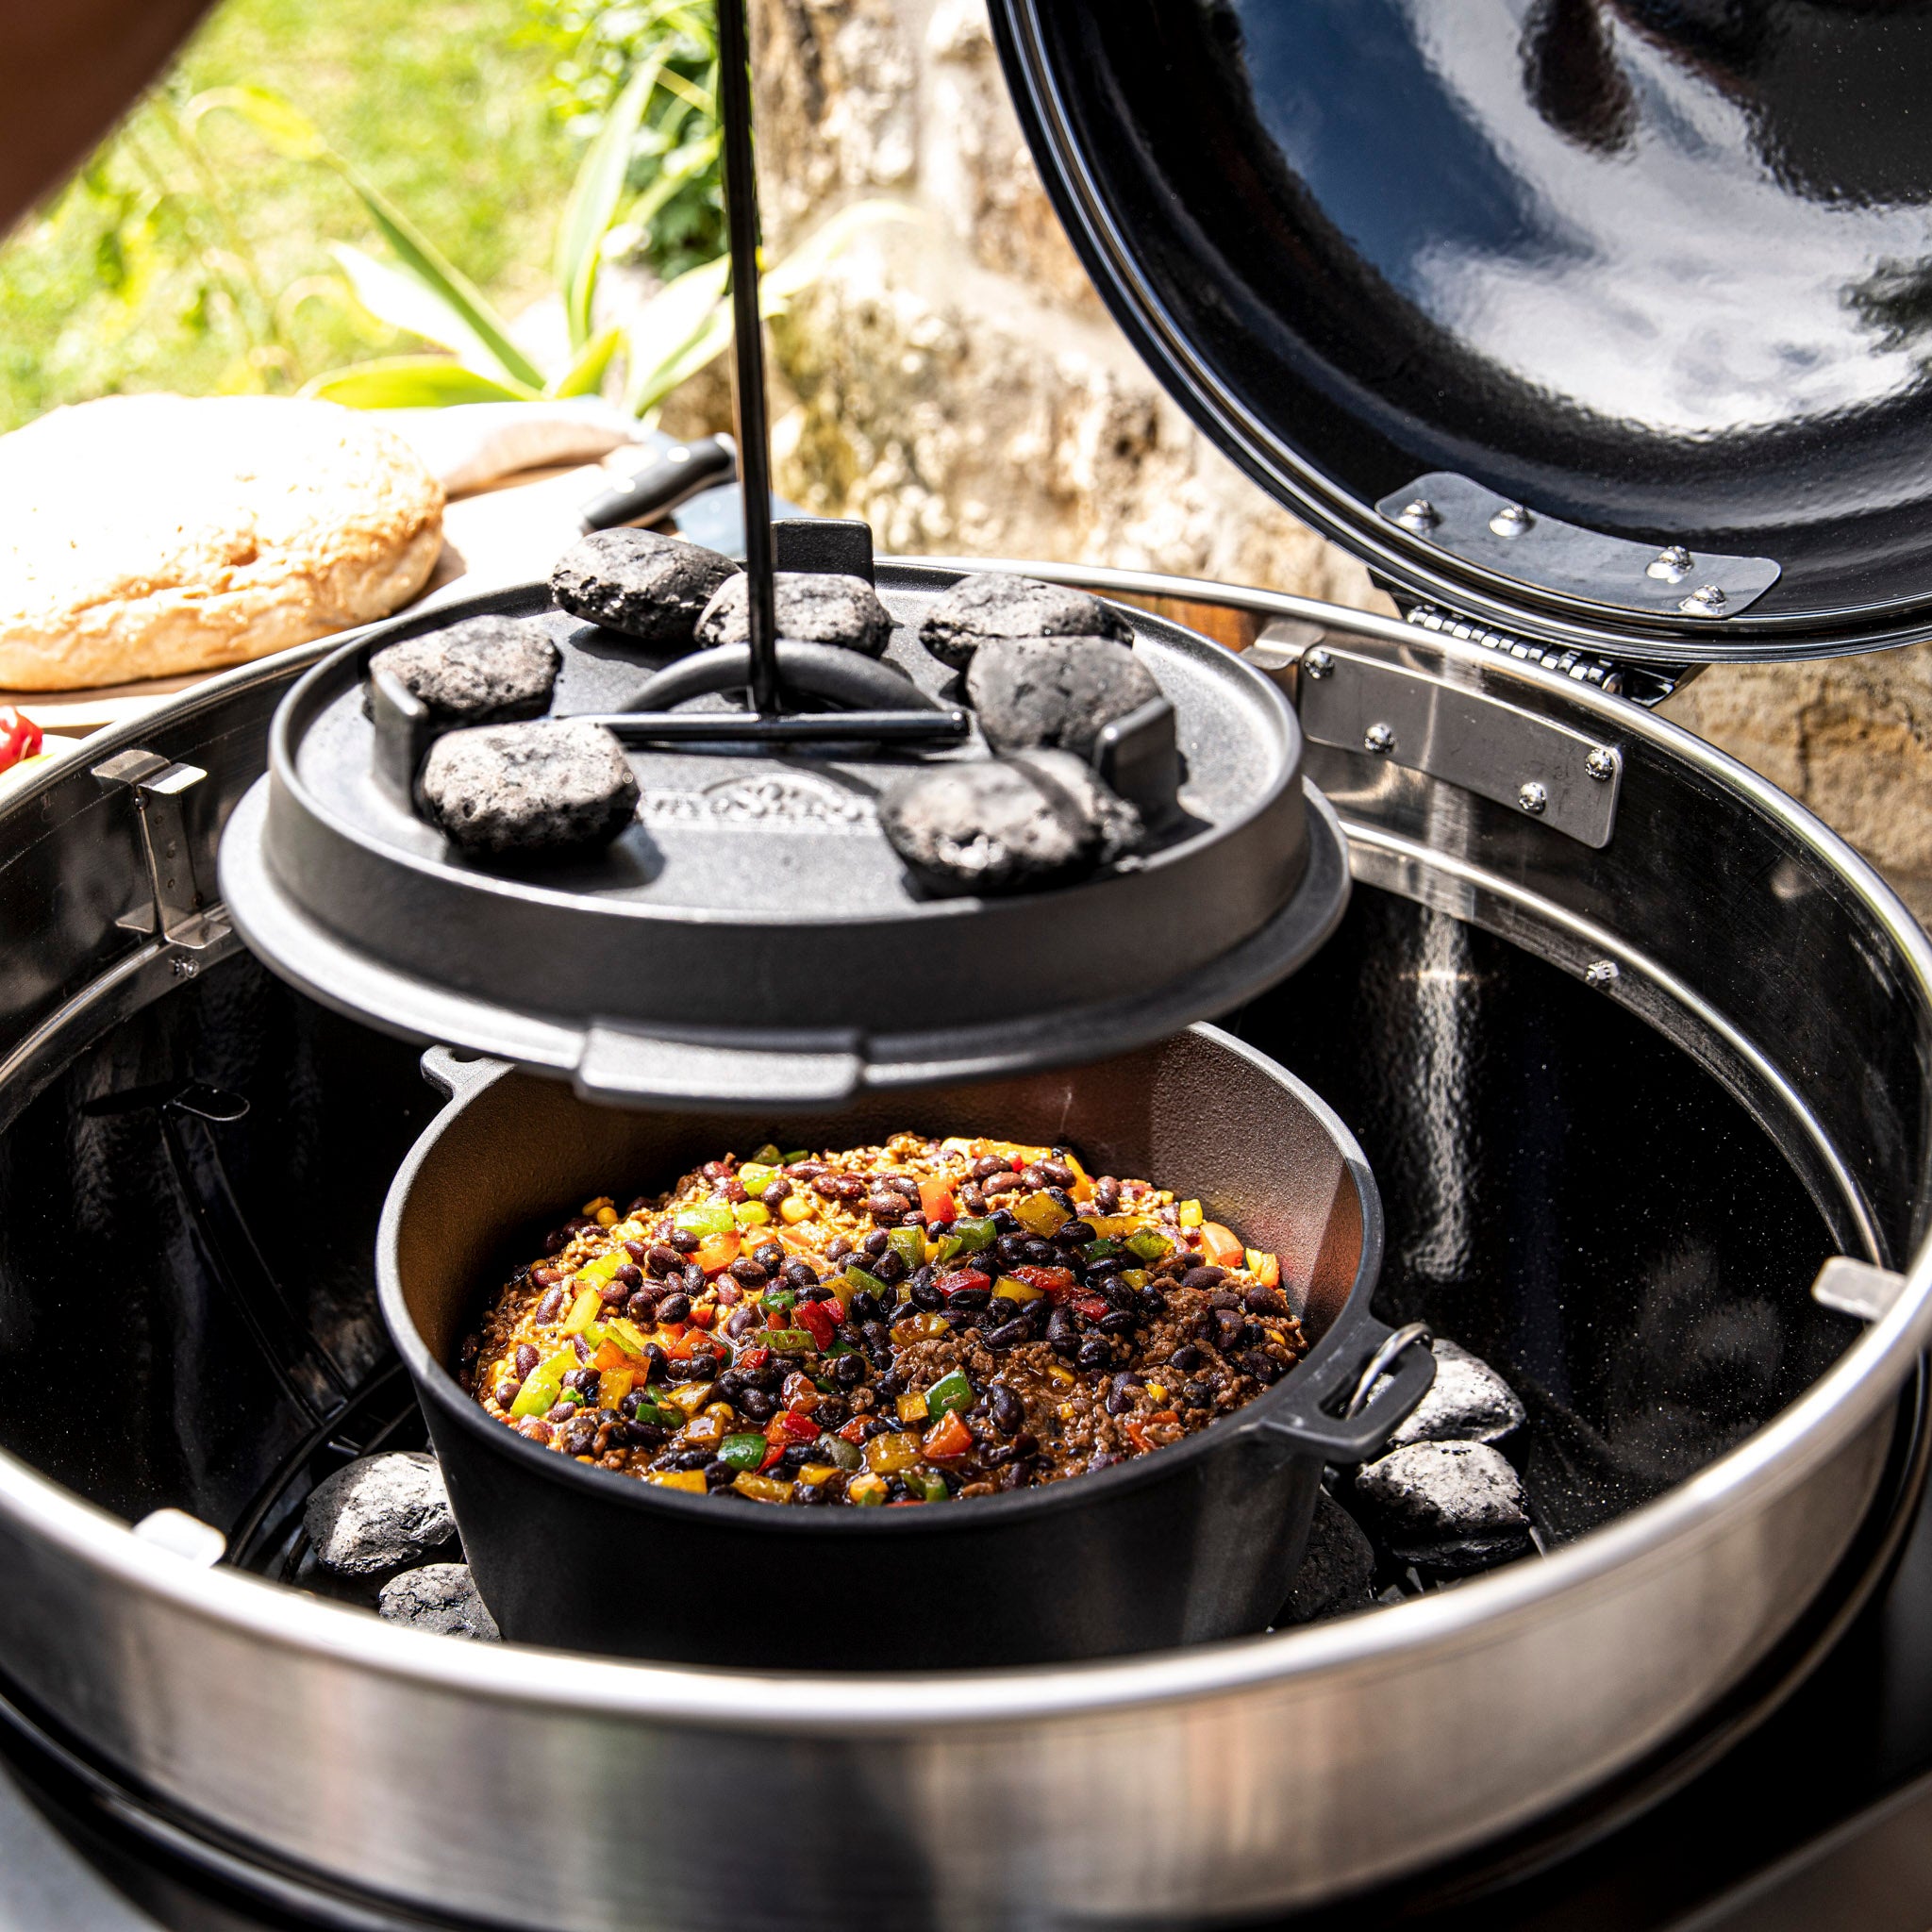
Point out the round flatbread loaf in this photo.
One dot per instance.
(142, 536)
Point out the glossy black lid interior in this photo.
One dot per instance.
(1659, 268)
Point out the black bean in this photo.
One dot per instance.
(840, 1249)
(644, 1435)
(547, 1309)
(901, 1184)
(1185, 1357)
(1076, 1230)
(1107, 1193)
(579, 1440)
(769, 1256)
(863, 1308)
(719, 1476)
(876, 1242)
(1152, 1301)
(805, 1169)
(740, 1321)
(987, 1166)
(833, 1409)
(1000, 1184)
(630, 1274)
(1266, 1301)
(886, 1209)
(891, 1386)
(685, 1244)
(557, 1239)
(1008, 1411)
(1025, 1443)
(1121, 1393)
(1197, 1396)
(1058, 1172)
(1117, 1323)
(801, 1274)
(563, 1412)
(771, 1375)
(1103, 1265)
(875, 1334)
(775, 1192)
(811, 1495)
(1094, 1354)
(887, 1267)
(508, 1392)
(1122, 1295)
(661, 1259)
(1004, 1221)
(527, 1358)
(733, 1190)
(726, 1292)
(1203, 1277)
(1031, 1179)
(690, 1459)
(880, 1425)
(927, 1295)
(1041, 1253)
(748, 1271)
(969, 1298)
(972, 1199)
(1227, 1327)
(674, 1307)
(1008, 1335)
(758, 1406)
(640, 1252)
(1264, 1368)
(614, 1293)
(1063, 1332)
(795, 1457)
(818, 1292)
(848, 1371)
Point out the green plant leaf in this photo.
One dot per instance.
(398, 299)
(411, 382)
(594, 198)
(665, 330)
(585, 377)
(808, 261)
(278, 121)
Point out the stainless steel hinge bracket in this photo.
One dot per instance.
(1641, 684)
(176, 913)
(1563, 779)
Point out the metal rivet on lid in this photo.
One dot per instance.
(1601, 765)
(1672, 564)
(1532, 797)
(1317, 664)
(1601, 973)
(1379, 738)
(1418, 514)
(1707, 600)
(1512, 520)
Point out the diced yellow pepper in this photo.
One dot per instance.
(591, 1208)
(751, 1213)
(1041, 1214)
(794, 1208)
(721, 1410)
(630, 1230)
(594, 1274)
(1111, 1227)
(922, 1326)
(888, 1455)
(757, 1175)
(606, 1217)
(760, 1488)
(692, 1479)
(1066, 1411)
(688, 1396)
(581, 1311)
(1059, 1373)
(912, 1407)
(868, 1490)
(1190, 1215)
(1011, 1289)
(1157, 1391)
(704, 1430)
(813, 1474)
(1082, 1189)
(613, 1385)
(627, 1334)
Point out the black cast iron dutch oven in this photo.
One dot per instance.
(1195, 1542)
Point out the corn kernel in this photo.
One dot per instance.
(1157, 1391)
(794, 1208)
(606, 1217)
(1066, 1411)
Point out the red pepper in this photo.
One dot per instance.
(20, 737)
(947, 1437)
(1138, 1436)
(854, 1431)
(788, 1426)
(1055, 1283)
(1091, 1306)
(821, 1319)
(935, 1197)
(970, 1277)
(771, 1455)
(754, 1358)
(777, 1318)
(704, 1317)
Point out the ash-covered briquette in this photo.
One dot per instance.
(509, 788)
(1468, 1402)
(441, 1598)
(1004, 825)
(1054, 694)
(640, 582)
(379, 1511)
(1449, 1506)
(998, 605)
(811, 607)
(1337, 1566)
(483, 671)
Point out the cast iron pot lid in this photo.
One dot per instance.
(1635, 297)
(752, 940)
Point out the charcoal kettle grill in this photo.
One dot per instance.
(1638, 1048)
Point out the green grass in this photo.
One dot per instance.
(143, 275)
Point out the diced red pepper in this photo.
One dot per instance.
(777, 1318)
(771, 1455)
(970, 1277)
(821, 1319)
(717, 1252)
(20, 737)
(1055, 1283)
(1222, 1247)
(788, 1426)
(1138, 1436)
(754, 1358)
(705, 1317)
(935, 1197)
(907, 1503)
(1165, 1415)
(1091, 1306)
(854, 1431)
(947, 1437)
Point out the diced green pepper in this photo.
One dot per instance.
(925, 1482)
(627, 1334)
(706, 1217)
(756, 1176)
(838, 1452)
(789, 1341)
(742, 1451)
(796, 1154)
(543, 1382)
(908, 1243)
(779, 1297)
(1148, 1245)
(951, 1394)
(595, 1272)
(1098, 1251)
(1133, 1277)
(870, 1283)
(768, 1154)
(751, 1214)
(663, 1416)
(837, 1349)
(967, 1237)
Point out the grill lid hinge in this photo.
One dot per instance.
(176, 911)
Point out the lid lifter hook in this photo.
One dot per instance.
(748, 350)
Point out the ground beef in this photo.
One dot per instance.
(878, 1325)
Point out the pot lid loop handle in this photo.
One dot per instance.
(1346, 1413)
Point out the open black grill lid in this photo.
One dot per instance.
(1602, 321)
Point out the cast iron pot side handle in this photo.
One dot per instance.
(454, 1072)
(1352, 1405)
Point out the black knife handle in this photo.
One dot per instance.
(668, 478)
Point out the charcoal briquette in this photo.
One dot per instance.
(998, 605)
(1004, 825)
(1446, 1506)
(1335, 1569)
(1468, 1402)
(811, 607)
(441, 1598)
(545, 787)
(640, 582)
(484, 671)
(379, 1511)
(1054, 694)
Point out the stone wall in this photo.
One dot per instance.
(954, 380)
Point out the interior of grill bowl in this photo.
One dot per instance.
(187, 1308)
